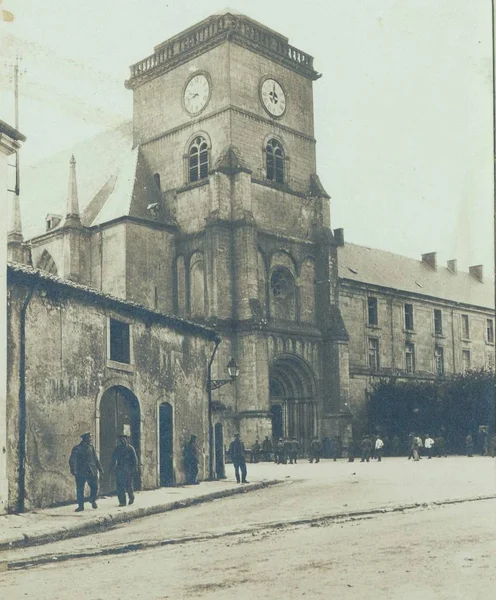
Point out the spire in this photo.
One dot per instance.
(72, 213)
(15, 224)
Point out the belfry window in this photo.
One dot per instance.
(198, 159)
(274, 159)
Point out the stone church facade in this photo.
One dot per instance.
(218, 215)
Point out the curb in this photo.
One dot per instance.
(105, 522)
(10, 565)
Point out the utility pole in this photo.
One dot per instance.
(16, 119)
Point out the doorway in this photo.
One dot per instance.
(119, 414)
(166, 444)
(277, 422)
(220, 469)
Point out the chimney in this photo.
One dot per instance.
(339, 236)
(452, 266)
(430, 260)
(476, 271)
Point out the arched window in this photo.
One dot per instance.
(198, 159)
(274, 159)
(282, 283)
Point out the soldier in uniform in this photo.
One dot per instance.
(440, 446)
(237, 454)
(336, 448)
(286, 449)
(295, 449)
(85, 467)
(125, 466)
(315, 450)
(351, 451)
(267, 448)
(279, 452)
(366, 447)
(190, 458)
(255, 452)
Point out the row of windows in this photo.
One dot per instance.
(409, 355)
(198, 160)
(438, 320)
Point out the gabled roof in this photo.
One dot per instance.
(128, 192)
(377, 267)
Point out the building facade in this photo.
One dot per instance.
(80, 360)
(218, 215)
(412, 319)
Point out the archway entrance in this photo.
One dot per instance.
(119, 414)
(219, 452)
(293, 399)
(166, 443)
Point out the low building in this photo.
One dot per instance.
(412, 319)
(81, 360)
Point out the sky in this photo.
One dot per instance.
(403, 111)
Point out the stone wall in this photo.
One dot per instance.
(67, 371)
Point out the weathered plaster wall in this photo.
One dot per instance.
(66, 372)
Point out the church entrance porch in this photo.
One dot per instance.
(293, 399)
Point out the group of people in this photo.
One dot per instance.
(86, 468)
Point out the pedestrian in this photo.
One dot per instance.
(85, 467)
(429, 445)
(379, 448)
(191, 461)
(416, 445)
(469, 445)
(279, 452)
(336, 448)
(286, 447)
(295, 449)
(315, 450)
(440, 446)
(237, 454)
(366, 447)
(351, 451)
(493, 446)
(125, 466)
(411, 437)
(267, 448)
(255, 452)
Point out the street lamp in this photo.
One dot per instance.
(214, 384)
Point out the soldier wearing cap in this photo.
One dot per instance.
(85, 467)
(237, 454)
(125, 466)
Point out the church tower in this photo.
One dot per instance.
(223, 116)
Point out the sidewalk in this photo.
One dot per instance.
(51, 524)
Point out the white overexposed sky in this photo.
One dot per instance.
(403, 112)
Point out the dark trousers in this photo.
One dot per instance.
(191, 473)
(81, 481)
(314, 456)
(379, 453)
(124, 481)
(240, 464)
(293, 456)
(365, 456)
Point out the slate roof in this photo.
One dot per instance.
(19, 271)
(378, 267)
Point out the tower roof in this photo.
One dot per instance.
(216, 29)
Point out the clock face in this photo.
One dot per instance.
(273, 98)
(196, 94)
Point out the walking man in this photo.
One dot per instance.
(267, 448)
(366, 447)
(429, 446)
(125, 466)
(237, 454)
(255, 452)
(295, 449)
(190, 458)
(85, 467)
(379, 448)
(315, 450)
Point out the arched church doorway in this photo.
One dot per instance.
(119, 414)
(219, 452)
(166, 444)
(293, 399)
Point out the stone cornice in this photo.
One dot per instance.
(235, 109)
(212, 32)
